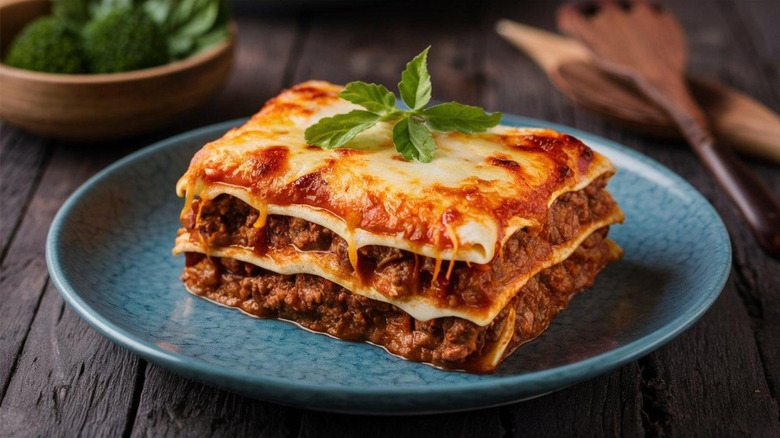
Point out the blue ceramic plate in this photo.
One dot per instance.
(109, 253)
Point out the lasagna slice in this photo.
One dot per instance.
(455, 263)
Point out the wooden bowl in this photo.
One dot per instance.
(103, 106)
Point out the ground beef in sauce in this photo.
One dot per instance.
(226, 221)
(320, 305)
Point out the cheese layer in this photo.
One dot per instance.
(478, 190)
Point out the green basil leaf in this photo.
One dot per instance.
(375, 98)
(102, 8)
(180, 46)
(193, 25)
(223, 18)
(412, 134)
(334, 132)
(394, 115)
(202, 19)
(217, 35)
(458, 117)
(415, 85)
(181, 14)
(413, 140)
(158, 10)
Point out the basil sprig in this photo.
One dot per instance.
(412, 128)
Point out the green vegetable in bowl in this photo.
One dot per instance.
(190, 25)
(111, 36)
(47, 45)
(124, 40)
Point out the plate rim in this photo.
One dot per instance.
(546, 380)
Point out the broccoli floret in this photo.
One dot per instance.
(124, 40)
(47, 45)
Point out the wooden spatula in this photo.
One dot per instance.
(735, 118)
(643, 43)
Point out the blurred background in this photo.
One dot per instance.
(215, 63)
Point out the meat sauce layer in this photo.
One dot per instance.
(484, 177)
(228, 221)
(454, 343)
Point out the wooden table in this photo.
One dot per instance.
(722, 377)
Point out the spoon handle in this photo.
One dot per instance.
(751, 196)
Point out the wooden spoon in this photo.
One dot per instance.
(643, 42)
(735, 118)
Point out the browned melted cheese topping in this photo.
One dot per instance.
(478, 190)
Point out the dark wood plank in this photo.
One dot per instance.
(70, 380)
(22, 159)
(606, 406)
(481, 423)
(262, 56)
(710, 381)
(705, 374)
(174, 406)
(757, 278)
(374, 44)
(754, 24)
(23, 273)
(701, 380)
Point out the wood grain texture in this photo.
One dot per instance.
(70, 379)
(23, 273)
(263, 51)
(703, 383)
(22, 159)
(710, 380)
(753, 26)
(481, 423)
(173, 406)
(605, 406)
(342, 53)
(755, 279)
(699, 369)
